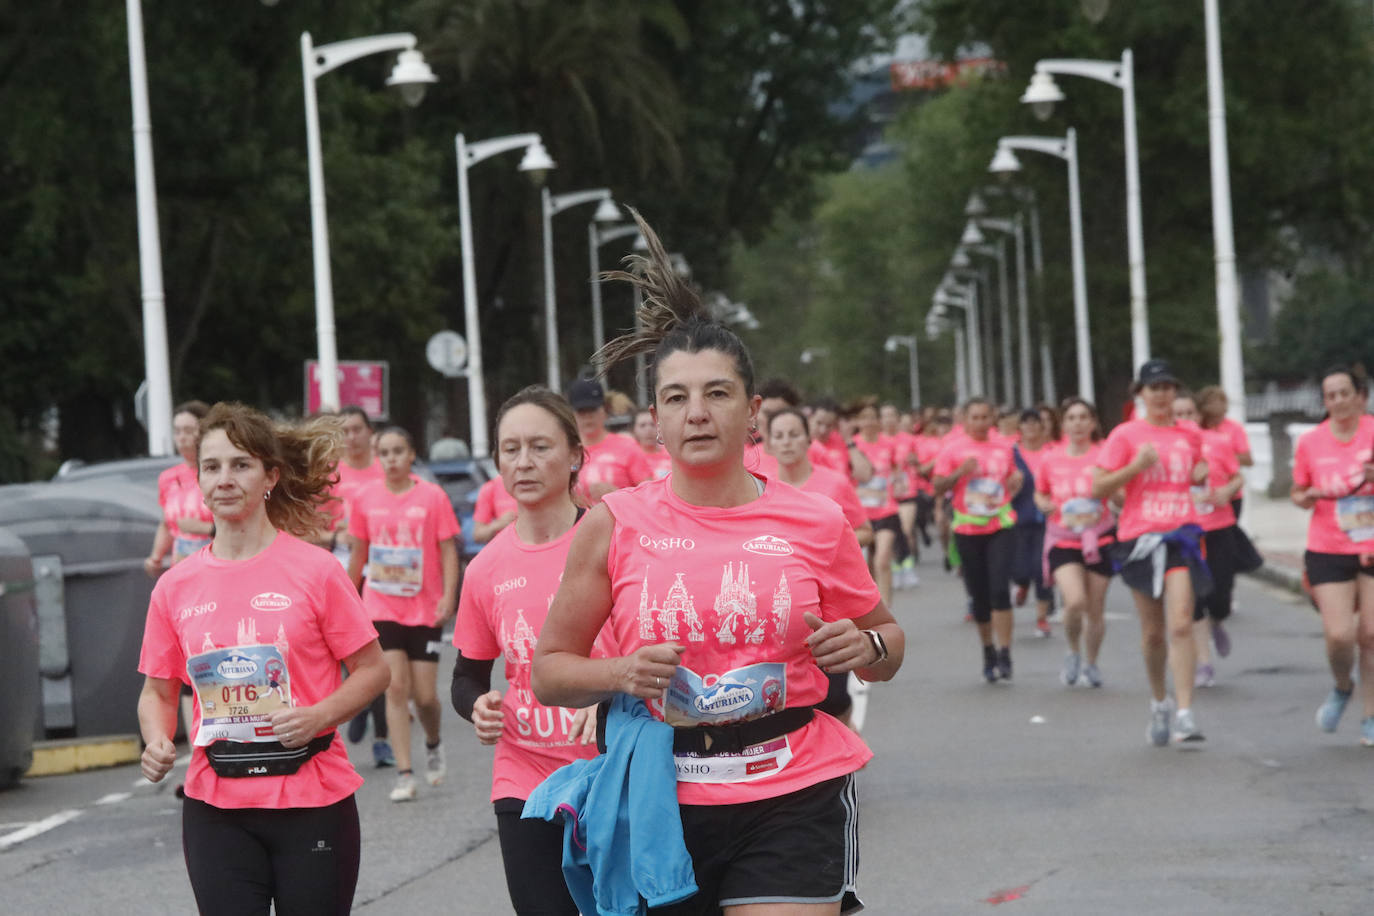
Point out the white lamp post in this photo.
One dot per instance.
(411, 74)
(913, 368)
(536, 161)
(1065, 148)
(596, 237)
(998, 252)
(157, 367)
(1013, 227)
(966, 298)
(552, 205)
(937, 321)
(1041, 94)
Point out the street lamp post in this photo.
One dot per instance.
(1065, 148)
(157, 366)
(411, 74)
(596, 237)
(966, 298)
(552, 205)
(536, 161)
(1042, 93)
(1014, 228)
(913, 368)
(998, 252)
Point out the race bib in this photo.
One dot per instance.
(396, 571)
(1200, 503)
(984, 496)
(238, 689)
(901, 484)
(735, 696)
(1355, 517)
(1080, 514)
(186, 544)
(754, 762)
(873, 494)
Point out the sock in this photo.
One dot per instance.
(430, 747)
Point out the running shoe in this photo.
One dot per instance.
(1004, 663)
(1330, 712)
(1021, 592)
(1367, 731)
(404, 789)
(1042, 629)
(1091, 676)
(434, 764)
(912, 579)
(990, 664)
(381, 753)
(1161, 718)
(1221, 639)
(1185, 728)
(1204, 676)
(1068, 676)
(357, 727)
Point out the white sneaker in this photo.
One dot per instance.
(1185, 728)
(434, 765)
(1161, 717)
(404, 789)
(911, 578)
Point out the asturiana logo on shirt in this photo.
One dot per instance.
(769, 546)
(667, 543)
(237, 667)
(270, 601)
(723, 698)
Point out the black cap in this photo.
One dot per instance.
(585, 394)
(1155, 372)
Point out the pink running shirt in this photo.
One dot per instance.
(731, 584)
(660, 462)
(903, 457)
(821, 455)
(405, 578)
(292, 598)
(493, 501)
(982, 493)
(1068, 480)
(1343, 520)
(927, 450)
(1158, 499)
(876, 495)
(840, 491)
(507, 589)
(178, 493)
(1218, 450)
(616, 460)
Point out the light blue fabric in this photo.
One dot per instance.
(622, 831)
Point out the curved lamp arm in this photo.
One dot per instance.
(324, 58)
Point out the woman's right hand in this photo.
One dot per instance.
(487, 717)
(646, 673)
(1147, 457)
(158, 758)
(1305, 499)
(152, 566)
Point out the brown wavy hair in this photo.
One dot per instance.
(556, 405)
(306, 455)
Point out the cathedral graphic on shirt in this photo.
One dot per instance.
(736, 611)
(520, 643)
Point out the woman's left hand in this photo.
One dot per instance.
(583, 727)
(445, 610)
(297, 726)
(839, 645)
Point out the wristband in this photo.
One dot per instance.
(879, 645)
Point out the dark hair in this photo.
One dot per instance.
(397, 431)
(197, 409)
(1029, 414)
(1357, 377)
(978, 399)
(1209, 393)
(672, 317)
(790, 412)
(306, 456)
(1075, 401)
(781, 389)
(1053, 430)
(558, 406)
(859, 405)
(353, 410)
(829, 404)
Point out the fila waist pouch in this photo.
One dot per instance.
(236, 759)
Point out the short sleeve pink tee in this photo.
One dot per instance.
(660, 462)
(840, 491)
(1218, 450)
(731, 585)
(927, 450)
(984, 492)
(351, 480)
(876, 495)
(178, 493)
(506, 593)
(1068, 480)
(1343, 518)
(293, 597)
(405, 577)
(493, 501)
(823, 456)
(1159, 498)
(903, 457)
(616, 460)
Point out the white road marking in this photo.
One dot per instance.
(113, 798)
(43, 826)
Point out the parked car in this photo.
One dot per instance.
(461, 478)
(134, 470)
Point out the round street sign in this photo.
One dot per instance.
(447, 352)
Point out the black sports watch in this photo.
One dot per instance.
(879, 645)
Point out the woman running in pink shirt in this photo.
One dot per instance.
(729, 597)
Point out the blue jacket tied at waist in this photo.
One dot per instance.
(622, 830)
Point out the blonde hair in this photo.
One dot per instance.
(305, 455)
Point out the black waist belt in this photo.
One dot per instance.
(262, 758)
(710, 740)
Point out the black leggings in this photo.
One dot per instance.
(242, 860)
(532, 853)
(1028, 565)
(986, 561)
(1221, 560)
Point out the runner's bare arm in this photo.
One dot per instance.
(1105, 482)
(162, 543)
(448, 561)
(859, 466)
(841, 645)
(943, 484)
(864, 533)
(1045, 504)
(564, 674)
(157, 721)
(368, 676)
(357, 557)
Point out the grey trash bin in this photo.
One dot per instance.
(87, 540)
(18, 659)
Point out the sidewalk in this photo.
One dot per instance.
(1279, 530)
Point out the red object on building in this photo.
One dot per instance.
(935, 74)
(366, 383)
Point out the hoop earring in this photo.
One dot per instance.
(267, 495)
(658, 437)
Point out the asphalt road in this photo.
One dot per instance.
(1027, 796)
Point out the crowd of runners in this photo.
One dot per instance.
(681, 610)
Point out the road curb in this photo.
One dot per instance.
(1283, 577)
(70, 755)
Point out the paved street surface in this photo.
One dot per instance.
(1028, 796)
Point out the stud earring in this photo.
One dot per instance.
(267, 495)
